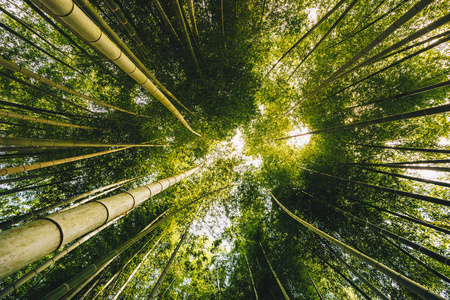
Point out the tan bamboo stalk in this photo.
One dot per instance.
(362, 278)
(77, 20)
(92, 13)
(306, 35)
(27, 243)
(324, 36)
(40, 120)
(186, 34)
(275, 274)
(251, 277)
(31, 274)
(172, 257)
(190, 4)
(14, 67)
(314, 284)
(24, 168)
(385, 189)
(418, 7)
(122, 288)
(397, 277)
(28, 142)
(221, 13)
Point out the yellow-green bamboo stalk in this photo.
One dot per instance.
(14, 67)
(22, 245)
(190, 4)
(92, 13)
(397, 277)
(275, 275)
(40, 120)
(24, 168)
(77, 21)
(28, 142)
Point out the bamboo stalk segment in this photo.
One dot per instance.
(28, 142)
(76, 20)
(29, 242)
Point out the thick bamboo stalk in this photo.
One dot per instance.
(397, 277)
(251, 276)
(122, 288)
(314, 284)
(384, 189)
(324, 36)
(405, 116)
(306, 35)
(415, 220)
(386, 33)
(31, 274)
(352, 284)
(28, 142)
(172, 257)
(40, 120)
(27, 243)
(275, 275)
(92, 13)
(14, 67)
(74, 17)
(41, 165)
(362, 278)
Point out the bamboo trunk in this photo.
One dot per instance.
(28, 142)
(27, 243)
(445, 151)
(399, 278)
(106, 285)
(75, 19)
(166, 20)
(251, 277)
(314, 284)
(388, 165)
(172, 257)
(275, 274)
(190, 4)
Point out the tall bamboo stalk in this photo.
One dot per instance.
(390, 165)
(305, 35)
(27, 243)
(251, 276)
(418, 7)
(122, 288)
(166, 20)
(275, 274)
(314, 284)
(76, 20)
(190, 4)
(172, 257)
(399, 278)
(40, 110)
(324, 36)
(28, 142)
(106, 285)
(427, 150)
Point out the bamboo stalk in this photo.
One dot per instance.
(27, 243)
(251, 277)
(77, 21)
(28, 142)
(275, 275)
(397, 277)
(314, 284)
(389, 165)
(190, 4)
(445, 151)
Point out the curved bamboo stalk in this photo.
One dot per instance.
(75, 19)
(397, 277)
(387, 32)
(41, 237)
(92, 13)
(324, 36)
(384, 189)
(362, 278)
(405, 116)
(314, 284)
(251, 277)
(40, 120)
(172, 257)
(275, 274)
(306, 35)
(427, 267)
(24, 168)
(122, 288)
(352, 284)
(14, 67)
(27, 142)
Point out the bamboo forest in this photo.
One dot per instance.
(224, 149)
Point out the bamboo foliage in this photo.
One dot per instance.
(79, 22)
(399, 278)
(275, 275)
(46, 235)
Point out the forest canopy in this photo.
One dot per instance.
(224, 149)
